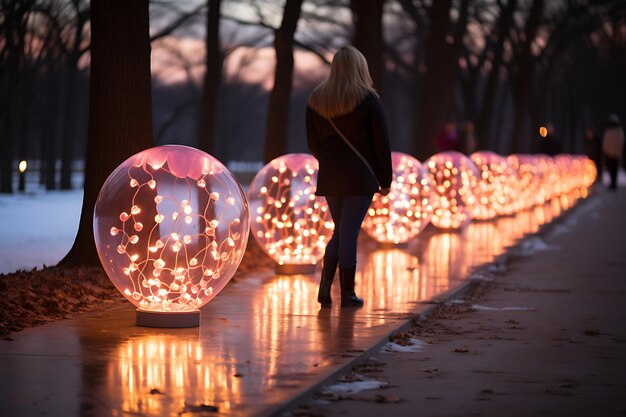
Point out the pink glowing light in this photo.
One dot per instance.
(406, 210)
(288, 221)
(496, 193)
(171, 227)
(528, 183)
(455, 177)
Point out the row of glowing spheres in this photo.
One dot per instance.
(171, 223)
(448, 190)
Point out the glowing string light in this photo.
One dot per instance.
(288, 221)
(496, 191)
(162, 212)
(405, 211)
(455, 177)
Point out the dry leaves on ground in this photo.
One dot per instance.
(31, 298)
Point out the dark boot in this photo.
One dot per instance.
(328, 275)
(348, 297)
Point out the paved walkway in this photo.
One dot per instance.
(546, 338)
(262, 341)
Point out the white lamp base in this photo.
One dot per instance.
(167, 319)
(295, 269)
(391, 245)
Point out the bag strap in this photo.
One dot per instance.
(355, 150)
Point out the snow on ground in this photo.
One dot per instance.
(486, 308)
(415, 345)
(532, 245)
(353, 387)
(621, 177)
(37, 229)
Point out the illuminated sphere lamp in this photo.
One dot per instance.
(581, 174)
(455, 177)
(288, 221)
(171, 226)
(546, 178)
(556, 175)
(570, 171)
(496, 192)
(528, 180)
(402, 214)
(588, 171)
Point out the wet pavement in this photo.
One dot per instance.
(261, 341)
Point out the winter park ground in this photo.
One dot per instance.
(540, 329)
(546, 337)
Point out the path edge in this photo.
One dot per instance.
(510, 255)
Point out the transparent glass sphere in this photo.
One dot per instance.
(406, 210)
(529, 188)
(288, 221)
(549, 178)
(568, 175)
(171, 226)
(455, 177)
(588, 171)
(496, 193)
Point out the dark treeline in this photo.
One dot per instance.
(506, 66)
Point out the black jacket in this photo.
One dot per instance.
(341, 171)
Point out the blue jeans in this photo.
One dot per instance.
(348, 213)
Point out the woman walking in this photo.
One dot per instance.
(347, 133)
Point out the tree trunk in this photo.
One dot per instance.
(23, 142)
(540, 101)
(484, 126)
(69, 105)
(120, 105)
(13, 15)
(439, 82)
(568, 131)
(524, 80)
(67, 137)
(49, 132)
(417, 81)
(367, 17)
(469, 86)
(500, 116)
(212, 79)
(278, 108)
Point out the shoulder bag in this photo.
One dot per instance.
(354, 149)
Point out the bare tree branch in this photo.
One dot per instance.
(181, 20)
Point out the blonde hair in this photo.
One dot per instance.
(347, 85)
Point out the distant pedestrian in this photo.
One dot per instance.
(466, 142)
(447, 138)
(347, 133)
(593, 146)
(613, 147)
(549, 145)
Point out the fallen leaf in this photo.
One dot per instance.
(200, 408)
(387, 399)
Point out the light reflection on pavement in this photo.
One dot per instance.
(261, 341)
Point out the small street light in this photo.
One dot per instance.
(22, 168)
